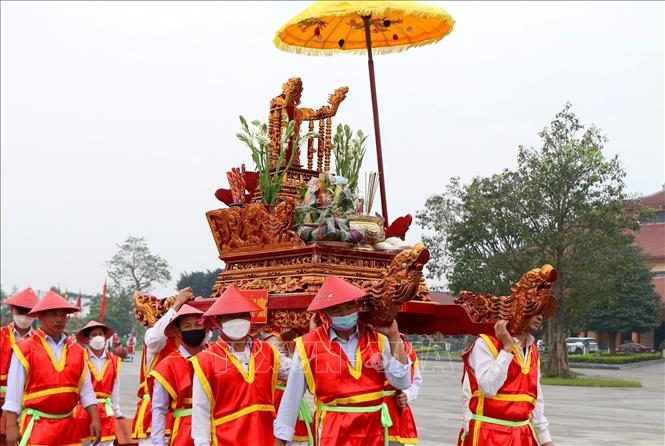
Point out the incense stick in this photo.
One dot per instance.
(370, 191)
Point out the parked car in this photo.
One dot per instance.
(577, 345)
(542, 346)
(632, 347)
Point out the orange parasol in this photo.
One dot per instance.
(329, 27)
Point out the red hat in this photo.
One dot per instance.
(335, 291)
(24, 299)
(232, 301)
(185, 310)
(83, 334)
(53, 301)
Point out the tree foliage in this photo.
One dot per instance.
(5, 315)
(627, 299)
(201, 282)
(119, 314)
(135, 267)
(562, 204)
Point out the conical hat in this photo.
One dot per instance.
(232, 301)
(82, 335)
(185, 310)
(53, 301)
(335, 291)
(24, 299)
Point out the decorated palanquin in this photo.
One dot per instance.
(269, 251)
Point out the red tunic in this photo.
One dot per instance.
(131, 343)
(175, 374)
(7, 339)
(333, 382)
(505, 416)
(143, 415)
(102, 384)
(403, 429)
(242, 403)
(52, 388)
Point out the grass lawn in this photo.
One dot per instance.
(589, 381)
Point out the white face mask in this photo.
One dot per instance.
(236, 328)
(22, 321)
(97, 343)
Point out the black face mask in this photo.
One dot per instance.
(193, 338)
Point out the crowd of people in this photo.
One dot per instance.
(249, 388)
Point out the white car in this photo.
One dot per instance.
(576, 345)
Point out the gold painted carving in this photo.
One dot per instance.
(529, 296)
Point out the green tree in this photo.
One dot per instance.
(132, 268)
(201, 282)
(136, 268)
(120, 313)
(560, 206)
(627, 300)
(5, 315)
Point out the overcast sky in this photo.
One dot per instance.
(119, 118)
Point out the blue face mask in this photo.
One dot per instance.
(344, 322)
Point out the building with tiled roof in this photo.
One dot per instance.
(651, 237)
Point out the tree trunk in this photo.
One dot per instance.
(558, 363)
(612, 341)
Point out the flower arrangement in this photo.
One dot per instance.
(271, 174)
(323, 215)
(330, 194)
(349, 152)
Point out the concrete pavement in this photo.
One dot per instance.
(579, 416)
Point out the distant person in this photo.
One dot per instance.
(104, 367)
(131, 347)
(48, 377)
(156, 347)
(501, 388)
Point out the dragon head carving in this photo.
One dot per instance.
(402, 281)
(150, 308)
(531, 295)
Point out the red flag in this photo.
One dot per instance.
(102, 306)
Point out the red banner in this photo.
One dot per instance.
(102, 306)
(260, 298)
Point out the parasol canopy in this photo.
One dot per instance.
(361, 27)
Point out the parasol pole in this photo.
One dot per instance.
(375, 110)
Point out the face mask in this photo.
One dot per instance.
(344, 322)
(97, 343)
(22, 321)
(236, 328)
(193, 338)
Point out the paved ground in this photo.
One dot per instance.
(579, 416)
